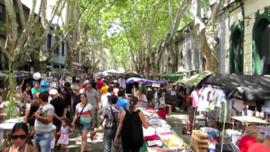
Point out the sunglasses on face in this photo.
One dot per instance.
(18, 136)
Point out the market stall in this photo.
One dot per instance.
(226, 99)
(160, 136)
(143, 81)
(193, 80)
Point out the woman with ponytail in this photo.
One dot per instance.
(132, 119)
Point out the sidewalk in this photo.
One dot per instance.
(75, 142)
(177, 121)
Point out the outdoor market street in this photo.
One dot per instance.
(135, 75)
(176, 120)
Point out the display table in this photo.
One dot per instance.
(250, 119)
(6, 127)
(160, 137)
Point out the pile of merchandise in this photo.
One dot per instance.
(160, 136)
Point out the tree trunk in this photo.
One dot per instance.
(10, 94)
(205, 35)
(212, 61)
(173, 56)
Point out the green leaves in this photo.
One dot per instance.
(130, 28)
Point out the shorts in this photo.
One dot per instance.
(85, 126)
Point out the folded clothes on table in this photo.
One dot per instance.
(150, 134)
(154, 143)
(153, 137)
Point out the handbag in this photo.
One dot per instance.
(78, 123)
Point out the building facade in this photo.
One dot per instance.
(243, 40)
(59, 53)
(59, 46)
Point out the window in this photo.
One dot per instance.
(63, 48)
(56, 50)
(49, 41)
(262, 46)
(236, 52)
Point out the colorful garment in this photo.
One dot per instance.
(195, 98)
(245, 143)
(35, 90)
(99, 84)
(122, 102)
(85, 116)
(104, 89)
(258, 147)
(64, 137)
(107, 114)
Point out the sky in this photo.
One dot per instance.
(50, 5)
(115, 28)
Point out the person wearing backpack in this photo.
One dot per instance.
(130, 127)
(111, 115)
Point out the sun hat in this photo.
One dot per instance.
(37, 76)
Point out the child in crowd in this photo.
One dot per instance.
(64, 135)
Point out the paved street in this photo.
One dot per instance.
(176, 120)
(95, 145)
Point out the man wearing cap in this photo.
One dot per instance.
(60, 107)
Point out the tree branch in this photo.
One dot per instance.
(5, 53)
(27, 34)
(216, 8)
(181, 13)
(21, 13)
(12, 18)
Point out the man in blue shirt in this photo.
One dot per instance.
(122, 102)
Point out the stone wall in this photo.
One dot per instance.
(191, 57)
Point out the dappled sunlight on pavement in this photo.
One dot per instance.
(183, 118)
(93, 145)
(177, 121)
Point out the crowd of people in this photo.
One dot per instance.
(55, 110)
